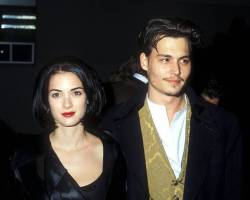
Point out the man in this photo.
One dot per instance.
(175, 145)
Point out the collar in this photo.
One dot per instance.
(159, 107)
(54, 170)
(140, 77)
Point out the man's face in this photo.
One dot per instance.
(168, 67)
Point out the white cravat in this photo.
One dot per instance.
(172, 135)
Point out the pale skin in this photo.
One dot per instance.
(168, 67)
(80, 152)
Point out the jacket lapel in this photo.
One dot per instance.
(59, 183)
(202, 137)
(134, 154)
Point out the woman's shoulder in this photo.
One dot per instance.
(28, 148)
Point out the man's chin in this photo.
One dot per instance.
(176, 93)
(172, 94)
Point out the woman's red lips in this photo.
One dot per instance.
(68, 114)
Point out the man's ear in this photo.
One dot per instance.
(144, 61)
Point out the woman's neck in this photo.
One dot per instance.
(68, 138)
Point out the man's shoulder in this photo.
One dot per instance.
(117, 116)
(224, 120)
(216, 118)
(124, 109)
(221, 113)
(208, 110)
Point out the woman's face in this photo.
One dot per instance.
(67, 99)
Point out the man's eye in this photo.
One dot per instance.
(165, 60)
(185, 61)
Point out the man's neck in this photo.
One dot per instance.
(172, 104)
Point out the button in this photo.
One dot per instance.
(174, 182)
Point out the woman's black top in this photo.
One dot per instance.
(41, 175)
(98, 189)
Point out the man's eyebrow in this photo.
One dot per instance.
(167, 56)
(164, 55)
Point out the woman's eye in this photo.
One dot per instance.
(55, 95)
(77, 93)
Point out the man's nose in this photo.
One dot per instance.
(175, 68)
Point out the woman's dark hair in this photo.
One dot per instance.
(156, 29)
(92, 87)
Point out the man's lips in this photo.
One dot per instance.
(173, 80)
(68, 114)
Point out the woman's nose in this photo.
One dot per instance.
(67, 102)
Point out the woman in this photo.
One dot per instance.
(74, 162)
